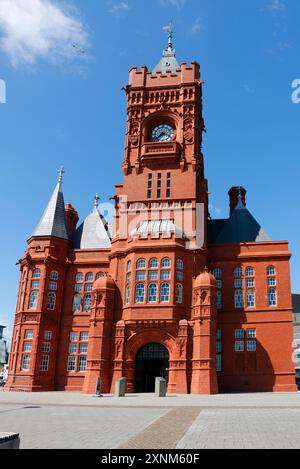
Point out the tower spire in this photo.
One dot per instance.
(168, 61)
(169, 29)
(96, 200)
(54, 222)
(61, 173)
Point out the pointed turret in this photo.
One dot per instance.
(54, 222)
(168, 60)
(93, 233)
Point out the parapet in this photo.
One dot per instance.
(143, 78)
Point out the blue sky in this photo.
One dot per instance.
(66, 107)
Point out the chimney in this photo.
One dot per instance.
(72, 218)
(235, 194)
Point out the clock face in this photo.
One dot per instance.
(162, 133)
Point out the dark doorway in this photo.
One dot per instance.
(152, 361)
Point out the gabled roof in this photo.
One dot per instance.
(93, 233)
(54, 222)
(240, 227)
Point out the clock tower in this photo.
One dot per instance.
(159, 239)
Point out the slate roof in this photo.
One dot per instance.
(240, 227)
(93, 233)
(53, 221)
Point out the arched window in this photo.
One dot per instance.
(179, 293)
(127, 295)
(79, 278)
(166, 263)
(141, 264)
(272, 297)
(238, 272)
(87, 303)
(152, 293)
(89, 277)
(179, 264)
(76, 303)
(238, 299)
(140, 293)
(217, 273)
(33, 301)
(153, 264)
(271, 271)
(219, 300)
(250, 272)
(54, 275)
(100, 275)
(36, 273)
(51, 301)
(250, 298)
(165, 293)
(129, 266)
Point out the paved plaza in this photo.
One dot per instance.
(76, 421)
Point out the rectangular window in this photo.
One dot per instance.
(84, 337)
(73, 337)
(83, 348)
(179, 276)
(251, 346)
(153, 275)
(25, 362)
(27, 347)
(159, 194)
(159, 184)
(150, 176)
(239, 346)
(141, 276)
(219, 283)
(53, 286)
(219, 334)
(239, 334)
(168, 193)
(72, 349)
(45, 363)
(219, 363)
(251, 334)
(238, 283)
(272, 282)
(250, 282)
(149, 184)
(46, 347)
(149, 194)
(28, 334)
(35, 285)
(71, 364)
(82, 363)
(48, 335)
(219, 347)
(166, 275)
(78, 288)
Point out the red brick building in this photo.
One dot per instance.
(167, 291)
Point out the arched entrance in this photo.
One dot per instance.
(152, 361)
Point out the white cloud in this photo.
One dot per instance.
(35, 29)
(174, 3)
(248, 89)
(118, 8)
(275, 6)
(197, 26)
(215, 210)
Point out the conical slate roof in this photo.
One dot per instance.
(93, 233)
(54, 222)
